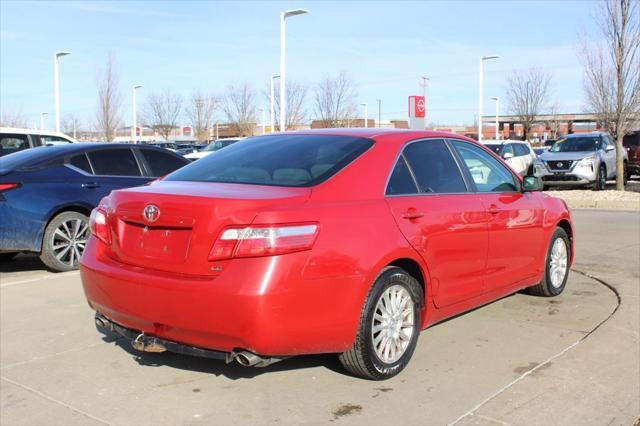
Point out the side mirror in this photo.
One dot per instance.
(507, 155)
(532, 183)
(610, 148)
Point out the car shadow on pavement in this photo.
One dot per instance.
(232, 371)
(22, 263)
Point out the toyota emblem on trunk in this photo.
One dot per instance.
(151, 213)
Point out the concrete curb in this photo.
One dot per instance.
(604, 204)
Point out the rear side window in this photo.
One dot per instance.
(434, 168)
(279, 160)
(161, 163)
(80, 161)
(520, 149)
(13, 143)
(401, 182)
(114, 162)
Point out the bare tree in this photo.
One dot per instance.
(109, 100)
(612, 73)
(162, 112)
(296, 98)
(71, 125)
(335, 101)
(200, 112)
(240, 108)
(12, 119)
(527, 93)
(553, 122)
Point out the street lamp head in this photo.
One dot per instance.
(61, 54)
(273, 77)
(44, 113)
(494, 99)
(137, 86)
(484, 58)
(294, 12)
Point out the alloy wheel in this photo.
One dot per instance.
(559, 262)
(69, 240)
(393, 324)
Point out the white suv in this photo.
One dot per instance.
(13, 139)
(517, 154)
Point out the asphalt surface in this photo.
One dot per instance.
(574, 359)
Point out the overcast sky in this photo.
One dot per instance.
(384, 46)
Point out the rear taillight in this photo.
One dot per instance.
(98, 222)
(263, 240)
(7, 186)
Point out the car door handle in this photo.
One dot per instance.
(90, 185)
(493, 209)
(412, 214)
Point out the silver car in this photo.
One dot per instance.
(579, 160)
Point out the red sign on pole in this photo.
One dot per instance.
(417, 106)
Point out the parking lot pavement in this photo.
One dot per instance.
(520, 360)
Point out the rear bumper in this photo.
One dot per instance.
(262, 305)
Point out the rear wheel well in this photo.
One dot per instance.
(78, 209)
(564, 224)
(413, 268)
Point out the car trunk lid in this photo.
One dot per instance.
(171, 226)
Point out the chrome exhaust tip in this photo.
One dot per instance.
(102, 322)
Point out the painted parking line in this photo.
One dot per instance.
(37, 278)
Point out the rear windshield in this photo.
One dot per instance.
(28, 157)
(577, 144)
(279, 160)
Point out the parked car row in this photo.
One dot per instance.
(576, 160)
(579, 160)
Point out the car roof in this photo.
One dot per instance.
(41, 154)
(374, 133)
(22, 131)
(584, 135)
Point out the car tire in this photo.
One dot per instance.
(6, 257)
(530, 171)
(369, 357)
(556, 268)
(625, 175)
(64, 241)
(601, 179)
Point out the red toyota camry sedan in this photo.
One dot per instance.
(333, 241)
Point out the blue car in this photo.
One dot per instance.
(47, 194)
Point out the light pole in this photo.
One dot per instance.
(366, 115)
(283, 96)
(56, 86)
(272, 102)
(482, 59)
(497, 117)
(42, 114)
(379, 112)
(134, 128)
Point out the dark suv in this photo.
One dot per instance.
(631, 143)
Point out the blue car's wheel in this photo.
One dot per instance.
(64, 241)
